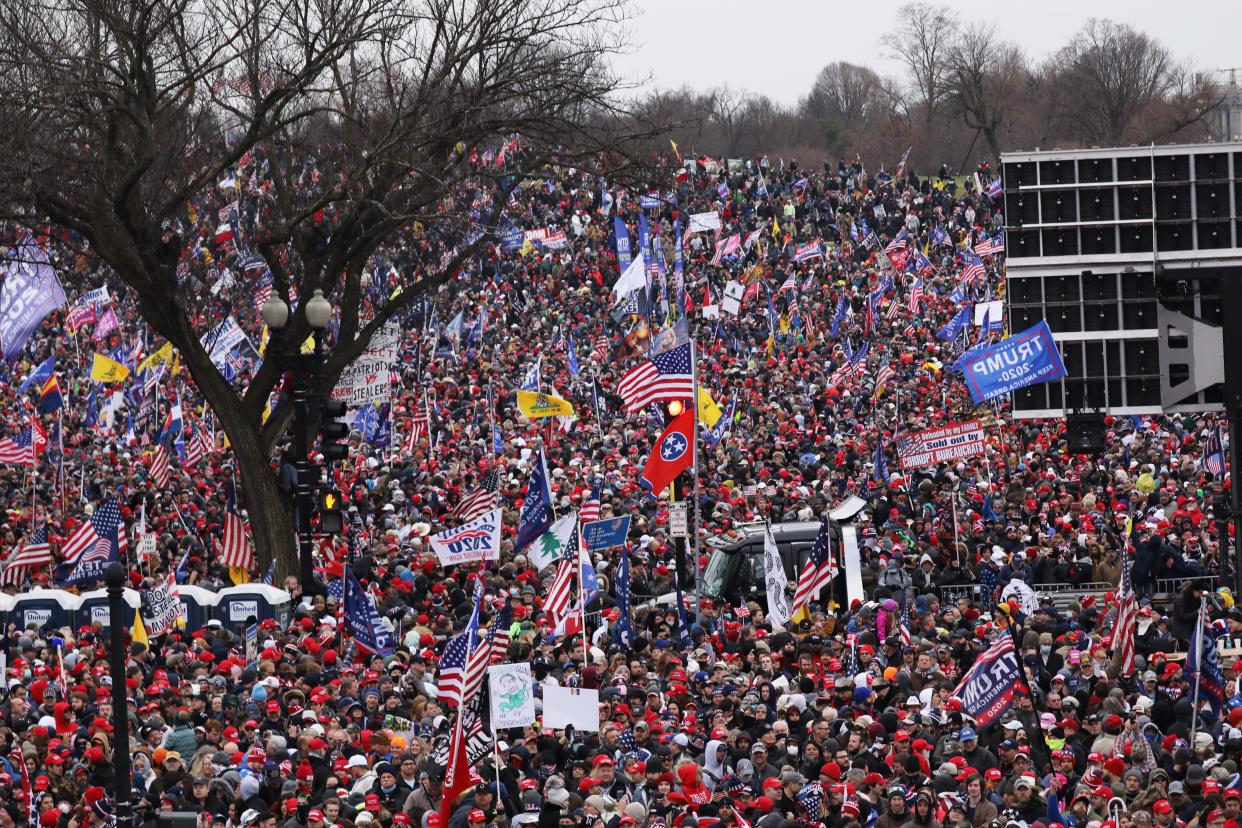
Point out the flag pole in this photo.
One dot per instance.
(957, 549)
(1194, 709)
(694, 470)
(586, 659)
(60, 430)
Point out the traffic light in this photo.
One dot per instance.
(330, 520)
(333, 432)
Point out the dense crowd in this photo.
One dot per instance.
(711, 715)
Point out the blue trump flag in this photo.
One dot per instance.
(624, 256)
(31, 291)
(41, 374)
(605, 534)
(954, 327)
(1024, 359)
(625, 624)
(536, 514)
(370, 634)
(1203, 663)
(843, 306)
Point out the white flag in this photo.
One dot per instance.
(774, 577)
(634, 277)
(553, 544)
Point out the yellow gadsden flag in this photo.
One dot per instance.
(107, 370)
(536, 404)
(139, 632)
(160, 357)
(709, 412)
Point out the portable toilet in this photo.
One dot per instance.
(199, 605)
(44, 608)
(238, 605)
(94, 607)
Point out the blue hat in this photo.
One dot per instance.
(967, 734)
(861, 694)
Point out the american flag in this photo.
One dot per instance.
(818, 571)
(235, 551)
(1214, 454)
(666, 376)
(900, 242)
(560, 593)
(603, 346)
(904, 631)
(972, 266)
(420, 427)
(894, 307)
(1126, 628)
(743, 611)
(916, 296)
(19, 449)
(992, 245)
(882, 379)
(93, 535)
(590, 509)
(196, 448)
(788, 286)
(854, 366)
(37, 552)
(463, 657)
(481, 500)
(161, 474)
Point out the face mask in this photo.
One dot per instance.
(1045, 648)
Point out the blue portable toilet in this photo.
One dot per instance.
(237, 605)
(199, 605)
(94, 607)
(44, 608)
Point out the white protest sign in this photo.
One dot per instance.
(512, 696)
(853, 565)
(478, 540)
(704, 222)
(732, 301)
(564, 706)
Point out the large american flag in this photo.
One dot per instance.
(972, 266)
(1125, 629)
(235, 551)
(916, 296)
(420, 427)
(590, 509)
(19, 449)
(992, 245)
(818, 571)
(92, 538)
(666, 376)
(465, 659)
(161, 473)
(37, 552)
(603, 346)
(904, 630)
(559, 594)
(196, 447)
(480, 500)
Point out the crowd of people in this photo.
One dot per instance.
(710, 714)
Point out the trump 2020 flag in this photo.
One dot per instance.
(31, 291)
(536, 515)
(954, 326)
(988, 690)
(368, 628)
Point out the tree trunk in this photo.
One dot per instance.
(269, 507)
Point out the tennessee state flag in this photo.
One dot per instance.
(673, 452)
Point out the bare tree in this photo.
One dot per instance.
(984, 81)
(367, 118)
(922, 39)
(845, 93)
(726, 114)
(1106, 75)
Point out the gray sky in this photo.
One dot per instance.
(776, 47)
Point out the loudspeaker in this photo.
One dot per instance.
(1019, 174)
(1134, 202)
(1098, 240)
(1210, 166)
(1172, 202)
(1057, 172)
(1058, 206)
(1058, 289)
(1084, 433)
(1060, 242)
(1136, 238)
(1023, 208)
(1213, 235)
(1022, 243)
(1134, 168)
(1095, 205)
(1095, 169)
(1211, 201)
(1026, 291)
(1175, 236)
(1099, 287)
(1172, 168)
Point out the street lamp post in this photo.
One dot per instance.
(114, 578)
(305, 367)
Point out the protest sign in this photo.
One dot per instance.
(571, 706)
(512, 695)
(478, 540)
(939, 445)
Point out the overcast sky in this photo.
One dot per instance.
(777, 47)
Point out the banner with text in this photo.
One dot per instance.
(940, 445)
